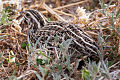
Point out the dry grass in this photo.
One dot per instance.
(13, 39)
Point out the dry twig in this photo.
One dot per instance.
(69, 5)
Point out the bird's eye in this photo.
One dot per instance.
(27, 15)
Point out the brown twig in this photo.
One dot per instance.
(43, 5)
(18, 32)
(56, 9)
(43, 1)
(92, 33)
(73, 4)
(4, 34)
(53, 12)
(61, 12)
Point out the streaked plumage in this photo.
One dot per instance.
(82, 43)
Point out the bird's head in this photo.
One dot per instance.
(34, 19)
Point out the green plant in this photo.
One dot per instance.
(5, 16)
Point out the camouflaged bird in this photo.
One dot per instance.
(81, 42)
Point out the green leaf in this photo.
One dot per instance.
(1, 64)
(49, 19)
(14, 72)
(44, 54)
(7, 8)
(1, 54)
(4, 17)
(110, 63)
(106, 37)
(29, 44)
(118, 57)
(119, 27)
(38, 76)
(61, 47)
(59, 66)
(99, 38)
(17, 64)
(114, 48)
(38, 41)
(40, 62)
(102, 4)
(11, 52)
(46, 42)
(89, 28)
(12, 60)
(23, 45)
(112, 19)
(103, 12)
(110, 3)
(43, 71)
(85, 74)
(118, 13)
(101, 26)
(56, 38)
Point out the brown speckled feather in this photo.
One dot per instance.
(82, 43)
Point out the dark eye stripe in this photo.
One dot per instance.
(39, 17)
(36, 15)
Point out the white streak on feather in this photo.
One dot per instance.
(34, 19)
(81, 38)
